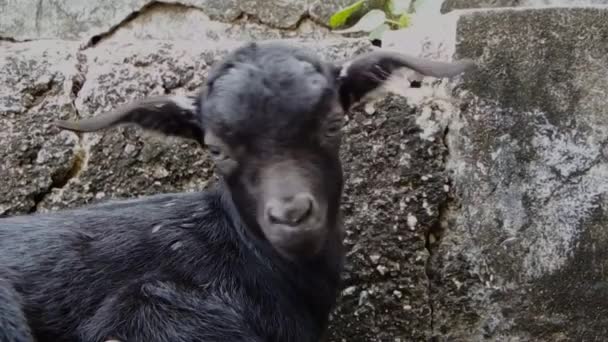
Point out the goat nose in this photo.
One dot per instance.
(290, 211)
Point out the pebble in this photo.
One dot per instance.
(374, 258)
(411, 221)
(129, 148)
(382, 269)
(349, 291)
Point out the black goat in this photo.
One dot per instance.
(257, 258)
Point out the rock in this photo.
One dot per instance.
(386, 257)
(69, 19)
(524, 251)
(449, 5)
(77, 20)
(163, 21)
(276, 13)
(39, 79)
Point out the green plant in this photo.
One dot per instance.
(394, 15)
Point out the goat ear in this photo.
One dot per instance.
(363, 74)
(168, 115)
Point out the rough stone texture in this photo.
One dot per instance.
(176, 22)
(124, 162)
(524, 255)
(78, 20)
(449, 5)
(395, 187)
(37, 81)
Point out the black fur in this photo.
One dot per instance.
(13, 323)
(201, 266)
(173, 267)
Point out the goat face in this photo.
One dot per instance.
(271, 115)
(272, 124)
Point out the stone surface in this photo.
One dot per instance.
(38, 81)
(78, 20)
(524, 254)
(175, 22)
(124, 162)
(449, 5)
(395, 187)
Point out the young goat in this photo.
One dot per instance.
(257, 258)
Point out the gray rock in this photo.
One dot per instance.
(449, 5)
(393, 194)
(175, 22)
(38, 81)
(276, 13)
(78, 20)
(524, 256)
(124, 162)
(62, 19)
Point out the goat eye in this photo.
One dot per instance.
(334, 127)
(216, 152)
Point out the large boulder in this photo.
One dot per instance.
(162, 21)
(449, 5)
(396, 186)
(83, 21)
(523, 250)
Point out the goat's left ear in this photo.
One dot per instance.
(363, 74)
(169, 115)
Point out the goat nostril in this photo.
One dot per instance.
(290, 212)
(303, 213)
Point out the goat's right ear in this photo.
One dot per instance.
(168, 115)
(363, 74)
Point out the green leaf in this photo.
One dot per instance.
(397, 7)
(378, 32)
(339, 18)
(367, 23)
(404, 20)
